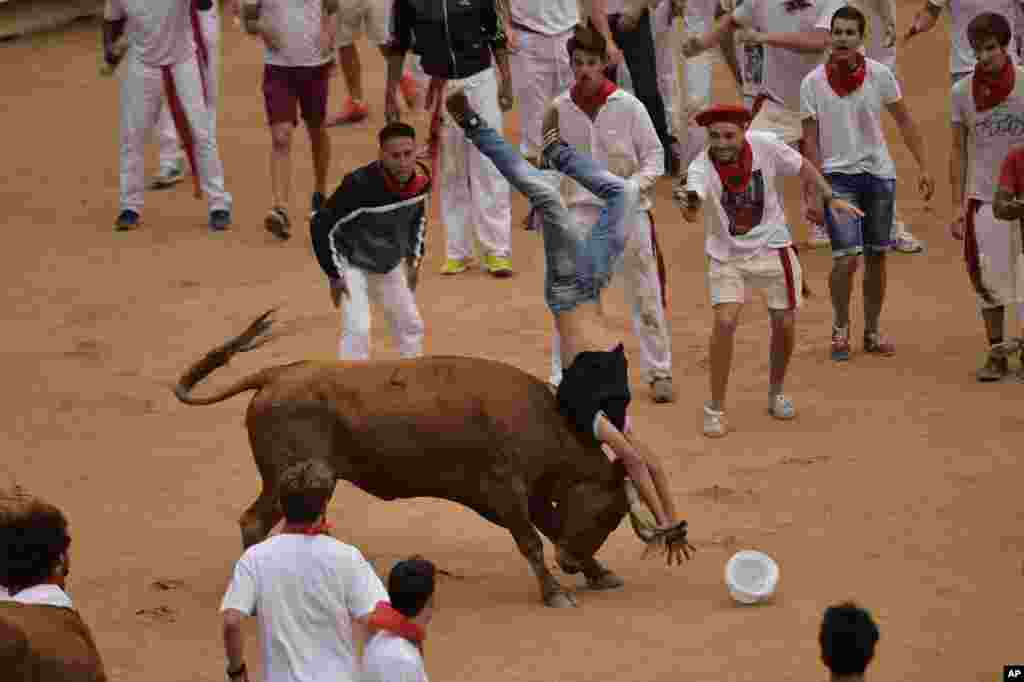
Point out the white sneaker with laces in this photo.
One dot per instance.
(781, 407)
(715, 425)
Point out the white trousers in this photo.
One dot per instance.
(390, 290)
(540, 71)
(142, 95)
(643, 292)
(472, 189)
(696, 94)
(1000, 260)
(171, 152)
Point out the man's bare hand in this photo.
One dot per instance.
(412, 275)
(615, 56)
(691, 46)
(392, 112)
(959, 225)
(926, 186)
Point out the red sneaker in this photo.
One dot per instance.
(353, 112)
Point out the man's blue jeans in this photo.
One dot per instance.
(576, 270)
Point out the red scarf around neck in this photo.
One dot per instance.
(844, 80)
(590, 104)
(385, 617)
(410, 189)
(735, 176)
(990, 89)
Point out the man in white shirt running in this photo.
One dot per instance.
(843, 137)
(748, 244)
(394, 652)
(311, 593)
(988, 121)
(34, 552)
(795, 35)
(614, 128)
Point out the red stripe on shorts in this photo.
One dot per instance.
(181, 124)
(787, 269)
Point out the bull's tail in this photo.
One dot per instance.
(257, 334)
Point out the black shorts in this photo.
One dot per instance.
(596, 381)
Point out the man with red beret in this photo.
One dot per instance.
(749, 245)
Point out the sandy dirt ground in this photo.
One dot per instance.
(897, 485)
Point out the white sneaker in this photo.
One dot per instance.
(169, 176)
(781, 407)
(819, 237)
(903, 241)
(715, 425)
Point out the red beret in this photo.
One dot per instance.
(724, 113)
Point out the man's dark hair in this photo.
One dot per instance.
(988, 25)
(848, 636)
(587, 38)
(410, 585)
(306, 488)
(33, 536)
(851, 13)
(395, 129)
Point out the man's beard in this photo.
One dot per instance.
(724, 155)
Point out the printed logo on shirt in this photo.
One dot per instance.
(1000, 123)
(792, 6)
(745, 209)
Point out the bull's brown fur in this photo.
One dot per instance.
(41, 643)
(478, 432)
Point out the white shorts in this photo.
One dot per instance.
(999, 259)
(787, 125)
(774, 272)
(356, 15)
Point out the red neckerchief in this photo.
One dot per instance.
(321, 528)
(843, 79)
(735, 176)
(590, 104)
(385, 617)
(411, 188)
(992, 89)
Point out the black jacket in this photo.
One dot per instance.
(371, 224)
(454, 37)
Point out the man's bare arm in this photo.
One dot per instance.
(805, 42)
(958, 166)
(924, 20)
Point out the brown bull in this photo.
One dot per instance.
(477, 432)
(40, 643)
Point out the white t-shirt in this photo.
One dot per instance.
(990, 134)
(305, 591)
(390, 658)
(159, 31)
(961, 56)
(739, 225)
(850, 135)
(549, 17)
(298, 24)
(784, 69)
(47, 594)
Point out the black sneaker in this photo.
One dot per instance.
(126, 220)
(220, 220)
(462, 111)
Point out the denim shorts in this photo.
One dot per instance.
(876, 197)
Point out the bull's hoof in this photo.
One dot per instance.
(560, 600)
(606, 581)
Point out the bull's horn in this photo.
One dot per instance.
(640, 516)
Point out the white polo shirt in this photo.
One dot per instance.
(159, 32)
(850, 135)
(990, 134)
(549, 17)
(621, 137)
(390, 658)
(785, 69)
(739, 225)
(961, 56)
(305, 591)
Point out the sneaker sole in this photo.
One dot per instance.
(501, 274)
(165, 183)
(715, 434)
(780, 417)
(339, 122)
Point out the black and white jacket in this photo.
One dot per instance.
(372, 224)
(454, 38)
